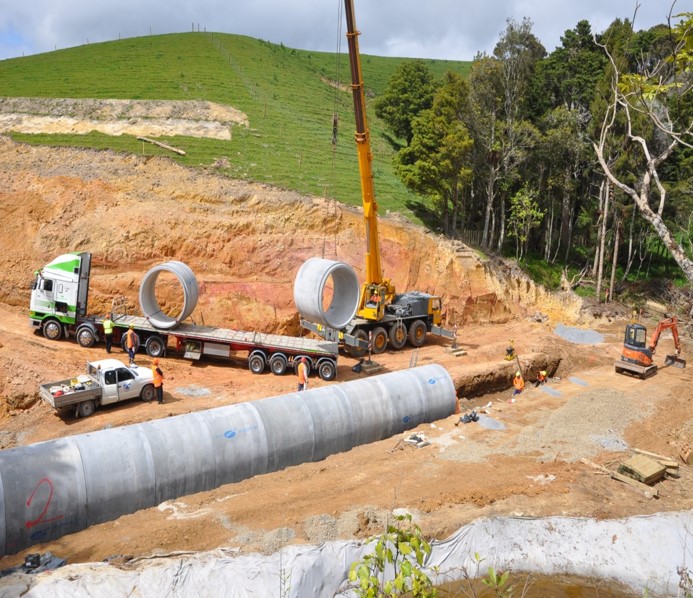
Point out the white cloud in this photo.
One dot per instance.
(451, 29)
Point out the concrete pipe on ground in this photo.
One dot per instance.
(311, 292)
(149, 304)
(58, 487)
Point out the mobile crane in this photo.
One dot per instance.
(636, 356)
(383, 316)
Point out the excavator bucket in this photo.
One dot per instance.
(675, 360)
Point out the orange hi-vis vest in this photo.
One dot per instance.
(519, 383)
(130, 337)
(302, 371)
(158, 376)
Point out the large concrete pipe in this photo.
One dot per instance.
(61, 486)
(150, 306)
(310, 288)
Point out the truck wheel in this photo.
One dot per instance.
(52, 330)
(86, 337)
(379, 340)
(155, 346)
(256, 363)
(277, 364)
(358, 352)
(327, 370)
(85, 408)
(147, 394)
(417, 333)
(398, 336)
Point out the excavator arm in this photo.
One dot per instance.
(666, 324)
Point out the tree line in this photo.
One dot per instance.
(581, 156)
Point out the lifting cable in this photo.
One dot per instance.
(335, 131)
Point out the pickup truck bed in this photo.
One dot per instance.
(65, 393)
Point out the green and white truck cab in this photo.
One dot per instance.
(59, 294)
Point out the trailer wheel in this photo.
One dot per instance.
(52, 330)
(155, 346)
(147, 393)
(277, 364)
(398, 335)
(85, 408)
(256, 363)
(86, 336)
(379, 340)
(327, 370)
(417, 333)
(358, 351)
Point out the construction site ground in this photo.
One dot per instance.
(245, 242)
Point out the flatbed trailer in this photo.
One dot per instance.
(279, 352)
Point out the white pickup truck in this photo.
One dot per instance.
(106, 381)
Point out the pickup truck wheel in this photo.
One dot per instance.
(379, 340)
(398, 335)
(327, 370)
(52, 330)
(155, 346)
(256, 363)
(417, 333)
(85, 408)
(277, 364)
(147, 394)
(85, 336)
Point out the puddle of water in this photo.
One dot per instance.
(541, 586)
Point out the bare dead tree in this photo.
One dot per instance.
(647, 94)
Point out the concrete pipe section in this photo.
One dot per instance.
(310, 288)
(149, 304)
(58, 487)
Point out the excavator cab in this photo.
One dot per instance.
(635, 349)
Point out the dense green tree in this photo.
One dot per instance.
(525, 215)
(437, 162)
(409, 91)
(568, 77)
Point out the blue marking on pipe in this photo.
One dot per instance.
(229, 433)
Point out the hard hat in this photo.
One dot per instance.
(543, 372)
(132, 325)
(156, 361)
(518, 373)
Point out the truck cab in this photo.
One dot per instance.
(59, 294)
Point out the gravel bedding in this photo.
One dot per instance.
(578, 336)
(587, 424)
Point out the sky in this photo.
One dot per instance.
(442, 29)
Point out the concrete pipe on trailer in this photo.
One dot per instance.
(149, 304)
(310, 288)
(58, 487)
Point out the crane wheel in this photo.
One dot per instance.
(379, 340)
(398, 335)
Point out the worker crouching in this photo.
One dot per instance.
(518, 383)
(541, 378)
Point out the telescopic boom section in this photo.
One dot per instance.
(374, 273)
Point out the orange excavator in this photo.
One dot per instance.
(636, 357)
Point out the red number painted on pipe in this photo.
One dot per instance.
(40, 519)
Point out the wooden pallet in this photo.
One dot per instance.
(642, 468)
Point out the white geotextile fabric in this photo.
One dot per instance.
(642, 552)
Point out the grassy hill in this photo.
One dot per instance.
(285, 93)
